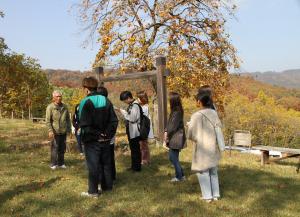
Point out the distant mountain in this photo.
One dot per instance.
(288, 78)
(66, 78)
(248, 86)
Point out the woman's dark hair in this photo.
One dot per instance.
(175, 102)
(91, 83)
(206, 99)
(206, 90)
(142, 95)
(102, 91)
(125, 95)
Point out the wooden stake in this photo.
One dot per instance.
(264, 157)
(100, 74)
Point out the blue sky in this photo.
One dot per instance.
(266, 33)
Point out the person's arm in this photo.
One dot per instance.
(68, 120)
(174, 124)
(86, 116)
(49, 121)
(134, 114)
(74, 121)
(146, 110)
(193, 127)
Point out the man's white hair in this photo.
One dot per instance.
(56, 93)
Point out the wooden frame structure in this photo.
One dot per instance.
(160, 73)
(288, 153)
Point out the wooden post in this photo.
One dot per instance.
(100, 74)
(264, 157)
(161, 96)
(230, 147)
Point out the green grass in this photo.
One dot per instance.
(29, 188)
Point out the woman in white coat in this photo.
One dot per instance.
(206, 155)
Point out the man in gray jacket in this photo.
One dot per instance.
(59, 125)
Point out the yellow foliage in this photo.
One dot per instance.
(269, 124)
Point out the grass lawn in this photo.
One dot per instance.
(29, 188)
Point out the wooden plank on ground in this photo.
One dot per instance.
(285, 157)
(271, 148)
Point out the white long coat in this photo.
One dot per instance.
(206, 152)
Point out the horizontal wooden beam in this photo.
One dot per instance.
(131, 76)
(282, 150)
(286, 157)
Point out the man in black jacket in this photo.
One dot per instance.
(98, 123)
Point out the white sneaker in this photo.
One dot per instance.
(183, 178)
(215, 198)
(87, 194)
(53, 167)
(174, 180)
(63, 166)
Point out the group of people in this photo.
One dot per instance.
(95, 122)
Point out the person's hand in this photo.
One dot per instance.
(165, 136)
(165, 146)
(51, 135)
(188, 123)
(117, 109)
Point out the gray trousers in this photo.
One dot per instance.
(58, 149)
(209, 183)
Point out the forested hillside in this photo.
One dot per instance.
(245, 85)
(288, 78)
(248, 86)
(270, 113)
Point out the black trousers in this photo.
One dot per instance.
(58, 149)
(113, 164)
(98, 158)
(135, 154)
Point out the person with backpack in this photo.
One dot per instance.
(144, 145)
(204, 130)
(175, 137)
(134, 117)
(103, 91)
(75, 123)
(98, 123)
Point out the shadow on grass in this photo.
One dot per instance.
(245, 192)
(295, 162)
(30, 187)
(263, 193)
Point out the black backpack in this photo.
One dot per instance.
(144, 124)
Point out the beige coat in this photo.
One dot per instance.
(206, 152)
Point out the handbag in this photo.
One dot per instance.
(178, 140)
(219, 134)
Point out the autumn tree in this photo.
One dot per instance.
(191, 33)
(24, 88)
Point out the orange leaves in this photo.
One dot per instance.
(190, 33)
